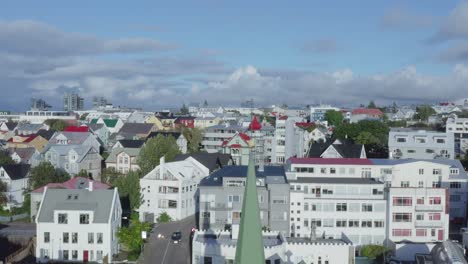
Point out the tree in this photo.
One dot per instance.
(3, 197)
(164, 218)
(109, 175)
(376, 252)
(130, 236)
(5, 158)
(371, 105)
(84, 116)
(45, 173)
(83, 173)
(333, 117)
(423, 112)
(194, 137)
(154, 150)
(56, 124)
(129, 187)
(184, 110)
(366, 138)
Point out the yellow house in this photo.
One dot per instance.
(162, 123)
(28, 141)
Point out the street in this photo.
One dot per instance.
(163, 250)
(19, 229)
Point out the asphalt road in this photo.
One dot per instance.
(163, 250)
(18, 229)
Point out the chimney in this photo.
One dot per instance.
(90, 185)
(235, 231)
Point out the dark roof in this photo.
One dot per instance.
(317, 149)
(47, 134)
(136, 128)
(128, 143)
(337, 180)
(349, 150)
(176, 135)
(17, 171)
(216, 178)
(11, 125)
(212, 161)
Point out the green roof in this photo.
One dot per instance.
(110, 122)
(94, 121)
(250, 242)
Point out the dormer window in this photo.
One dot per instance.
(401, 140)
(454, 171)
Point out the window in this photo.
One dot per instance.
(328, 222)
(386, 171)
(65, 237)
(440, 140)
(421, 171)
(434, 216)
(74, 254)
(379, 223)
(421, 232)
(420, 140)
(404, 184)
(454, 171)
(84, 219)
(366, 173)
(401, 232)
(377, 191)
(74, 238)
(62, 218)
(353, 223)
(90, 238)
(402, 201)
(306, 206)
(435, 184)
(65, 254)
(98, 255)
(435, 200)
(401, 217)
(332, 170)
(421, 184)
(323, 170)
(433, 232)
(436, 171)
(315, 222)
(429, 151)
(306, 223)
(206, 214)
(366, 208)
(420, 217)
(46, 237)
(340, 223)
(366, 223)
(341, 207)
(455, 198)
(411, 151)
(455, 185)
(99, 238)
(420, 200)
(401, 140)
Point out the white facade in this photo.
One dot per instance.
(171, 188)
(214, 136)
(459, 128)
(78, 229)
(15, 187)
(317, 113)
(278, 249)
(404, 143)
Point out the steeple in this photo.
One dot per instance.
(250, 242)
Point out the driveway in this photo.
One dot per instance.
(163, 250)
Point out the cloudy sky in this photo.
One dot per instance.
(153, 54)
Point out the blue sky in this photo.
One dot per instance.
(155, 54)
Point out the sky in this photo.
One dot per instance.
(155, 54)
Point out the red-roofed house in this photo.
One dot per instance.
(238, 147)
(359, 114)
(255, 125)
(73, 183)
(34, 141)
(77, 129)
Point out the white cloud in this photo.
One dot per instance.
(455, 25)
(404, 19)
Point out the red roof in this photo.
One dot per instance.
(73, 184)
(304, 124)
(254, 125)
(28, 139)
(283, 117)
(236, 146)
(330, 161)
(367, 111)
(244, 136)
(76, 129)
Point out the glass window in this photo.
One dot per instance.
(84, 218)
(65, 255)
(74, 238)
(62, 218)
(74, 254)
(90, 238)
(366, 208)
(46, 237)
(366, 223)
(66, 237)
(99, 238)
(402, 217)
(379, 223)
(340, 223)
(353, 223)
(341, 207)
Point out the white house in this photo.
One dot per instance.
(78, 225)
(459, 128)
(15, 176)
(171, 188)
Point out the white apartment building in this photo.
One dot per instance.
(216, 246)
(459, 128)
(78, 225)
(214, 136)
(317, 113)
(171, 188)
(407, 143)
(328, 207)
(289, 140)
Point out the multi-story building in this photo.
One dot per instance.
(221, 198)
(171, 188)
(407, 143)
(214, 136)
(78, 225)
(317, 113)
(123, 160)
(459, 128)
(73, 102)
(39, 105)
(15, 178)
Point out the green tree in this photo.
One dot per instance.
(109, 175)
(423, 112)
(164, 218)
(371, 105)
(184, 110)
(84, 116)
(333, 117)
(194, 137)
(375, 252)
(130, 236)
(3, 197)
(45, 173)
(83, 173)
(129, 187)
(5, 158)
(56, 124)
(366, 138)
(156, 148)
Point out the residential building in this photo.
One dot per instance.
(317, 135)
(337, 149)
(129, 143)
(317, 113)
(101, 133)
(179, 137)
(75, 138)
(171, 188)
(113, 125)
(123, 160)
(39, 117)
(30, 141)
(73, 102)
(78, 225)
(212, 161)
(459, 128)
(72, 184)
(359, 114)
(136, 130)
(407, 143)
(214, 136)
(15, 177)
(29, 129)
(8, 126)
(24, 155)
(184, 121)
(206, 121)
(238, 147)
(221, 196)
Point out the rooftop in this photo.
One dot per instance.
(330, 161)
(216, 178)
(340, 180)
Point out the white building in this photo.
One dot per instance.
(214, 136)
(78, 225)
(407, 143)
(317, 113)
(171, 188)
(220, 247)
(15, 177)
(459, 128)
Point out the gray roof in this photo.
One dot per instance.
(29, 127)
(23, 153)
(63, 150)
(95, 127)
(132, 152)
(212, 161)
(136, 128)
(271, 173)
(337, 180)
(75, 138)
(98, 201)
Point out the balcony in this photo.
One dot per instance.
(428, 224)
(430, 207)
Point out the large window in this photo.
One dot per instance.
(435, 200)
(340, 223)
(66, 237)
(379, 223)
(455, 185)
(75, 254)
(366, 223)
(62, 218)
(99, 238)
(65, 255)
(421, 232)
(84, 218)
(366, 208)
(74, 238)
(402, 217)
(353, 223)
(402, 201)
(341, 207)
(90, 238)
(434, 216)
(46, 237)
(401, 232)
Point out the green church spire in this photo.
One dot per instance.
(250, 241)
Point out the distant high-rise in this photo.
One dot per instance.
(39, 105)
(73, 102)
(100, 102)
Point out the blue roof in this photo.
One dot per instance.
(216, 178)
